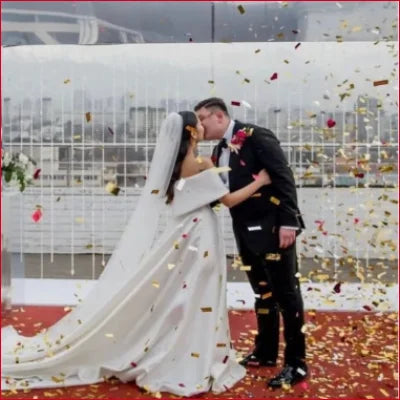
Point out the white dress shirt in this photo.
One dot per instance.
(226, 153)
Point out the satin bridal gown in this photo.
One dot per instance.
(166, 328)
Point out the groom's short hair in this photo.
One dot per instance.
(212, 102)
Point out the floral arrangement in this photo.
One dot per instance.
(239, 138)
(18, 168)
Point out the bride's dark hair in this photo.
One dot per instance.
(189, 119)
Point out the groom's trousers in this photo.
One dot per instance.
(279, 292)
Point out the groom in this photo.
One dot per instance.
(265, 228)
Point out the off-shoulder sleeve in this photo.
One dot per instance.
(197, 191)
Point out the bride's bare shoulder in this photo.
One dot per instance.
(196, 166)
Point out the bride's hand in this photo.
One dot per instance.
(264, 177)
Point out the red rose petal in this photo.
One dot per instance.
(304, 385)
(134, 365)
(337, 287)
(225, 359)
(297, 46)
(330, 123)
(185, 235)
(37, 215)
(195, 219)
(37, 173)
(368, 308)
(274, 76)
(242, 163)
(356, 220)
(235, 103)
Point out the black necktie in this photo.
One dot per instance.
(222, 145)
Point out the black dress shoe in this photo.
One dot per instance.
(253, 361)
(288, 376)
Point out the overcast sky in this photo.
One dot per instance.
(152, 72)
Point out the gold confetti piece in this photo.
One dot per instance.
(262, 283)
(221, 344)
(88, 116)
(147, 388)
(206, 309)
(257, 195)
(195, 355)
(218, 170)
(211, 82)
(241, 9)
(273, 257)
(245, 80)
(67, 81)
(191, 129)
(79, 220)
(386, 168)
(171, 266)
(266, 295)
(274, 200)
(155, 191)
(384, 154)
(57, 380)
(176, 245)
(262, 311)
(156, 284)
(205, 254)
(382, 82)
(257, 51)
(77, 136)
(112, 188)
(245, 268)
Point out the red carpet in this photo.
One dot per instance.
(350, 355)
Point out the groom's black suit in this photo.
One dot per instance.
(256, 224)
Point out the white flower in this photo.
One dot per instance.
(23, 159)
(6, 158)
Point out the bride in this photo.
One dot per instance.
(158, 313)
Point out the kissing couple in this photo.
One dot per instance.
(158, 313)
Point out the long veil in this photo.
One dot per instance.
(136, 241)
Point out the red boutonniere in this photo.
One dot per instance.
(239, 138)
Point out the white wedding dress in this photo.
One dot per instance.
(166, 327)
